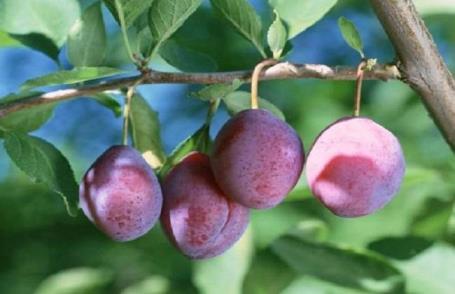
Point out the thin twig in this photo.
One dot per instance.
(281, 71)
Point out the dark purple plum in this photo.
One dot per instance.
(197, 217)
(257, 159)
(120, 194)
(355, 167)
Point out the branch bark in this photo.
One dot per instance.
(421, 64)
(279, 71)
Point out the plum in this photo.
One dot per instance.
(197, 217)
(120, 194)
(355, 167)
(257, 159)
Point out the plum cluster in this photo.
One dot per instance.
(354, 168)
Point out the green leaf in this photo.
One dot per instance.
(132, 9)
(432, 220)
(351, 35)
(267, 227)
(240, 100)
(150, 285)
(25, 120)
(7, 41)
(145, 131)
(199, 141)
(186, 59)
(234, 264)
(166, 17)
(42, 162)
(277, 36)
(347, 267)
(51, 18)
(87, 38)
(300, 15)
(437, 7)
(67, 77)
(431, 271)
(76, 281)
(39, 43)
(268, 274)
(144, 42)
(109, 102)
(241, 15)
(400, 248)
(217, 91)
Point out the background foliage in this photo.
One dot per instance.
(297, 247)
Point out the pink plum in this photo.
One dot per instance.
(197, 217)
(257, 159)
(120, 194)
(355, 167)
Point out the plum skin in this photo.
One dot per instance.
(355, 167)
(120, 194)
(257, 159)
(197, 217)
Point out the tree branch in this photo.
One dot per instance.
(279, 71)
(421, 64)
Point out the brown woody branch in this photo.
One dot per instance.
(277, 72)
(420, 62)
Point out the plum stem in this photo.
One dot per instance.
(255, 80)
(127, 108)
(358, 87)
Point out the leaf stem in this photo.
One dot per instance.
(255, 80)
(358, 87)
(214, 103)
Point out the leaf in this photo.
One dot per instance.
(244, 18)
(7, 41)
(400, 248)
(432, 221)
(51, 18)
(277, 36)
(150, 285)
(426, 7)
(109, 102)
(167, 16)
(267, 227)
(87, 38)
(186, 59)
(240, 100)
(268, 274)
(199, 141)
(344, 266)
(132, 9)
(145, 131)
(351, 35)
(39, 43)
(234, 263)
(76, 281)
(431, 271)
(67, 77)
(25, 120)
(217, 91)
(301, 14)
(42, 162)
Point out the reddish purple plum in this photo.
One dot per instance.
(197, 217)
(355, 167)
(120, 194)
(257, 159)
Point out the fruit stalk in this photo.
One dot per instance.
(358, 87)
(255, 80)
